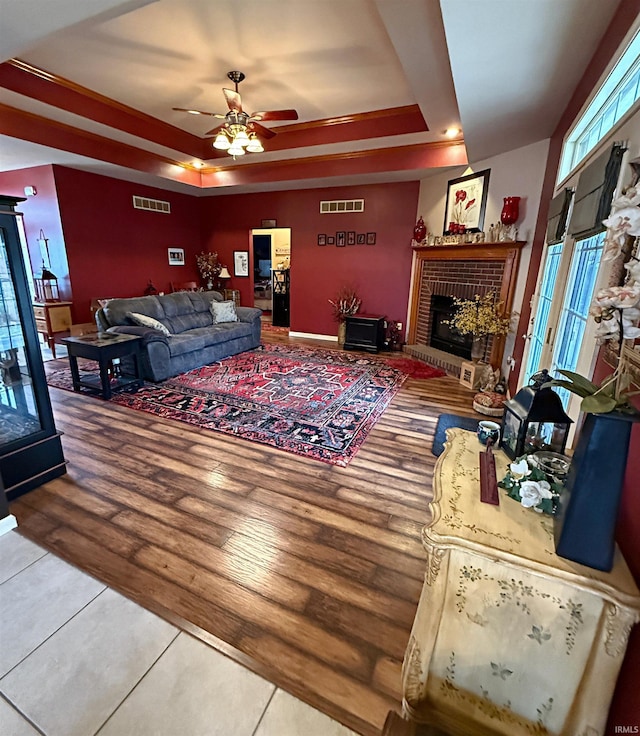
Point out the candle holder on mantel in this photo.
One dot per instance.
(505, 230)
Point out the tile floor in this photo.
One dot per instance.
(78, 659)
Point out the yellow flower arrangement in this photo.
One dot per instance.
(479, 316)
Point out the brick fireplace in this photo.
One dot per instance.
(458, 271)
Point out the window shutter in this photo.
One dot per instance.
(594, 193)
(557, 219)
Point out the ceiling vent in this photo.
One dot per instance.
(338, 206)
(151, 205)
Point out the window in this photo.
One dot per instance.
(616, 97)
(575, 309)
(539, 336)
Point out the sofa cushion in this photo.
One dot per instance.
(115, 311)
(186, 342)
(223, 312)
(144, 321)
(222, 332)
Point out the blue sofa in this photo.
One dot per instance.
(194, 340)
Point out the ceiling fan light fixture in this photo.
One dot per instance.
(241, 137)
(235, 149)
(221, 142)
(254, 145)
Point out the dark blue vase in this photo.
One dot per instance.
(585, 521)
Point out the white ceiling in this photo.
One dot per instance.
(500, 69)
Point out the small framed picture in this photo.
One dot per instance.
(361, 239)
(371, 238)
(351, 238)
(341, 239)
(176, 256)
(268, 223)
(330, 240)
(322, 239)
(240, 262)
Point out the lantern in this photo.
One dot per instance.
(46, 287)
(534, 420)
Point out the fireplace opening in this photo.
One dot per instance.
(443, 336)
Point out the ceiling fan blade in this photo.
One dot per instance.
(261, 130)
(198, 112)
(275, 115)
(233, 99)
(214, 131)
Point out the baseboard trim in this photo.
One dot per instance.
(312, 336)
(7, 524)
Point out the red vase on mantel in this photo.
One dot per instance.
(420, 231)
(510, 210)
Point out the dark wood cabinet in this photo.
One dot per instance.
(280, 309)
(364, 332)
(30, 447)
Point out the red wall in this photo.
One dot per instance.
(114, 249)
(380, 273)
(40, 213)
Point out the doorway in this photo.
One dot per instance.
(271, 248)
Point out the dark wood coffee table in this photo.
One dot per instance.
(103, 347)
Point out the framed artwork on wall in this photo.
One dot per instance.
(322, 239)
(361, 238)
(341, 239)
(176, 256)
(330, 240)
(241, 263)
(268, 223)
(351, 238)
(466, 203)
(371, 238)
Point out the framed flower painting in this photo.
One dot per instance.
(466, 203)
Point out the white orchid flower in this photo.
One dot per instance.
(619, 297)
(631, 198)
(630, 329)
(623, 221)
(534, 491)
(626, 219)
(633, 269)
(520, 469)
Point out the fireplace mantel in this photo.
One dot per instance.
(507, 254)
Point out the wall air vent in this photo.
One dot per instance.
(152, 205)
(338, 206)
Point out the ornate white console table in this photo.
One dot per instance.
(508, 637)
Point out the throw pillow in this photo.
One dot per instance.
(223, 312)
(144, 321)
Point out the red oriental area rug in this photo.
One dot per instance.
(316, 403)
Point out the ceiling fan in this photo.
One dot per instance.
(239, 131)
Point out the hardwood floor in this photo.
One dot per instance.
(309, 574)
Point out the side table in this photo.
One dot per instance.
(232, 295)
(52, 318)
(509, 638)
(104, 347)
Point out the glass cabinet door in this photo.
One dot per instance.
(30, 447)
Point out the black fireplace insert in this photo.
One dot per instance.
(443, 336)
